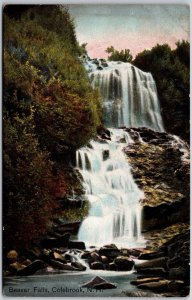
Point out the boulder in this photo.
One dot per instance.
(160, 262)
(99, 283)
(76, 245)
(109, 252)
(151, 255)
(97, 265)
(153, 271)
(145, 280)
(124, 263)
(78, 266)
(159, 287)
(60, 266)
(177, 273)
(16, 266)
(59, 257)
(96, 280)
(105, 154)
(32, 268)
(175, 286)
(104, 259)
(12, 256)
(112, 267)
(94, 256)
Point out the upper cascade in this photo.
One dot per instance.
(129, 95)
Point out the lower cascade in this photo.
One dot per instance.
(115, 212)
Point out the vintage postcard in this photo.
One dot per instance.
(96, 166)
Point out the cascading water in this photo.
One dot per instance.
(129, 99)
(115, 213)
(129, 96)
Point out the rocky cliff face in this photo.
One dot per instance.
(160, 165)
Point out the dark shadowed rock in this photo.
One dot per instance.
(159, 287)
(31, 268)
(97, 265)
(109, 252)
(112, 267)
(153, 271)
(76, 245)
(177, 273)
(53, 242)
(151, 255)
(124, 263)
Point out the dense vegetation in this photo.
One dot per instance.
(49, 110)
(170, 69)
(115, 55)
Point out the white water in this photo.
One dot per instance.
(129, 99)
(115, 213)
(129, 96)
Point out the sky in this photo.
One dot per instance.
(134, 27)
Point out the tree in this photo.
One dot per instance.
(115, 55)
(170, 69)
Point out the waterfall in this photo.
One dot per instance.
(115, 213)
(129, 96)
(129, 99)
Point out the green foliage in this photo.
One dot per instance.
(49, 111)
(27, 192)
(170, 69)
(115, 55)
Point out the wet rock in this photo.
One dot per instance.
(175, 286)
(159, 287)
(151, 255)
(104, 259)
(99, 283)
(32, 268)
(153, 271)
(133, 252)
(96, 280)
(12, 256)
(16, 266)
(60, 266)
(97, 266)
(27, 262)
(105, 154)
(59, 257)
(85, 255)
(94, 256)
(146, 280)
(78, 266)
(110, 252)
(76, 245)
(124, 263)
(112, 267)
(153, 263)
